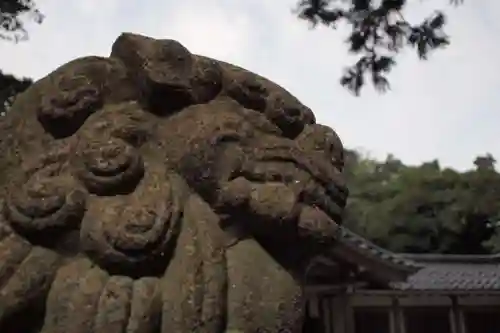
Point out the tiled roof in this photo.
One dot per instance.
(453, 272)
(432, 272)
(428, 271)
(372, 250)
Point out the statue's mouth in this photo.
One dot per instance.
(314, 179)
(285, 183)
(308, 189)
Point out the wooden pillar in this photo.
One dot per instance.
(349, 314)
(454, 325)
(396, 317)
(400, 316)
(392, 321)
(461, 321)
(338, 314)
(457, 320)
(314, 307)
(342, 316)
(327, 310)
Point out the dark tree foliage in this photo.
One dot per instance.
(11, 18)
(425, 208)
(378, 32)
(10, 86)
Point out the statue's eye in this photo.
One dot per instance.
(229, 138)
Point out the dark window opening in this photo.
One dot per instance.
(428, 320)
(482, 320)
(371, 320)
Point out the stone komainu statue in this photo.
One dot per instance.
(160, 191)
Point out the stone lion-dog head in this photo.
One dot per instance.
(108, 159)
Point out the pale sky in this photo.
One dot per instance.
(444, 108)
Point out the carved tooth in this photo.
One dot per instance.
(235, 193)
(30, 283)
(314, 223)
(73, 299)
(114, 306)
(13, 250)
(273, 200)
(145, 308)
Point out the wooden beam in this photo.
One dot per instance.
(370, 301)
(424, 300)
(478, 300)
(332, 289)
(381, 300)
(461, 293)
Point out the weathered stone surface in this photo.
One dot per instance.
(160, 191)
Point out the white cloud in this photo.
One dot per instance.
(208, 29)
(445, 108)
